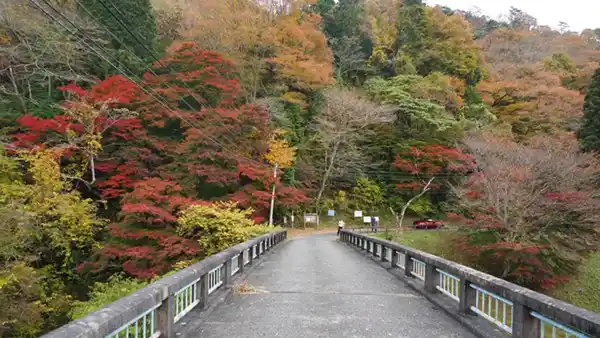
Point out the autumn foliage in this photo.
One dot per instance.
(189, 142)
(429, 161)
(529, 210)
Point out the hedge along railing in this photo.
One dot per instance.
(152, 312)
(518, 311)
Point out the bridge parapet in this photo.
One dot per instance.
(153, 311)
(472, 295)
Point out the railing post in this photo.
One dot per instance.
(383, 253)
(362, 244)
(394, 260)
(432, 277)
(203, 292)
(165, 317)
(408, 263)
(466, 296)
(524, 325)
(241, 262)
(227, 279)
(250, 255)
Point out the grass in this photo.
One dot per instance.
(583, 290)
(435, 242)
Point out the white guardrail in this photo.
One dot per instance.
(153, 311)
(518, 311)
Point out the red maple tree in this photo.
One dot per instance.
(184, 140)
(529, 212)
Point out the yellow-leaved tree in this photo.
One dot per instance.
(274, 50)
(280, 151)
(42, 222)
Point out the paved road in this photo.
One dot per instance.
(318, 287)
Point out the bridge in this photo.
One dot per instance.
(325, 286)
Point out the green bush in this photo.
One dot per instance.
(218, 226)
(117, 286)
(32, 301)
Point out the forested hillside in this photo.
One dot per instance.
(140, 136)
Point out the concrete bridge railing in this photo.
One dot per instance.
(477, 299)
(153, 311)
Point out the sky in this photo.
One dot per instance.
(579, 14)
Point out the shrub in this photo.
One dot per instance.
(117, 286)
(216, 227)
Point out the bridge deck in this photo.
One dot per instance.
(318, 287)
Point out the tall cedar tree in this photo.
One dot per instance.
(589, 134)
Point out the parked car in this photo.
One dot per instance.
(427, 223)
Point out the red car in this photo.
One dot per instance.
(427, 224)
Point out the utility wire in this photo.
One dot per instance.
(122, 71)
(125, 24)
(157, 59)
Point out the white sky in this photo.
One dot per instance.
(579, 14)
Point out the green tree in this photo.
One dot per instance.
(43, 224)
(117, 286)
(413, 27)
(342, 24)
(367, 195)
(126, 19)
(589, 133)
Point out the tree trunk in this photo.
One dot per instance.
(326, 174)
(16, 88)
(403, 212)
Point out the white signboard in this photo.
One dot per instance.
(367, 219)
(377, 218)
(310, 219)
(357, 213)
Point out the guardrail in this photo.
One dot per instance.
(152, 312)
(516, 310)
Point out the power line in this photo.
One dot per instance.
(157, 59)
(122, 71)
(123, 22)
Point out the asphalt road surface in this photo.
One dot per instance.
(318, 287)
